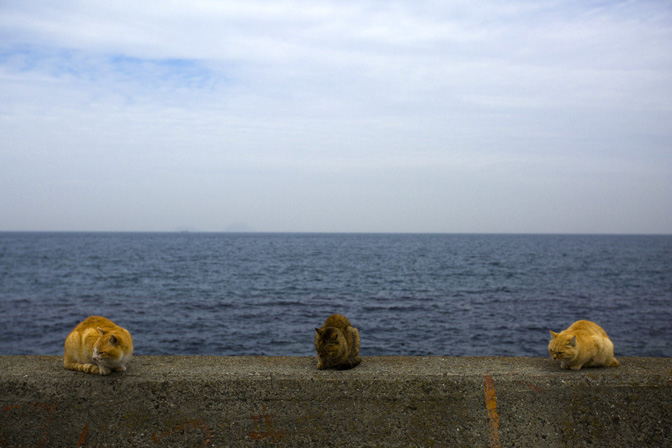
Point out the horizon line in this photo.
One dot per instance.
(269, 232)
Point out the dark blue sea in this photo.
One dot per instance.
(263, 294)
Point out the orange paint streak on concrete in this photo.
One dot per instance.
(534, 387)
(491, 406)
(49, 408)
(270, 433)
(82, 437)
(186, 426)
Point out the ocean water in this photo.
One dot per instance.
(263, 294)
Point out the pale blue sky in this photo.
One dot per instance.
(343, 116)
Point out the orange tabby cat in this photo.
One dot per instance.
(583, 344)
(337, 344)
(98, 346)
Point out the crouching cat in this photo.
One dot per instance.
(337, 344)
(583, 344)
(98, 346)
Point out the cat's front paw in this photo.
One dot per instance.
(120, 369)
(320, 366)
(104, 370)
(576, 367)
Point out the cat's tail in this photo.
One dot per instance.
(86, 368)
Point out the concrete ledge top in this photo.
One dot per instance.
(161, 368)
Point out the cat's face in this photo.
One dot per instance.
(107, 349)
(330, 342)
(562, 346)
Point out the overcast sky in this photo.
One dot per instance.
(342, 116)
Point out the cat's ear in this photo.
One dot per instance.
(573, 342)
(553, 334)
(113, 340)
(100, 330)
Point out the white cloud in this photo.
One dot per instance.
(386, 94)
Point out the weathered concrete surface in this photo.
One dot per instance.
(386, 401)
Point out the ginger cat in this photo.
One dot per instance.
(98, 346)
(583, 344)
(337, 344)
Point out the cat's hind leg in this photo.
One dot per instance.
(355, 361)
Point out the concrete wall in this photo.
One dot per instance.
(386, 401)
